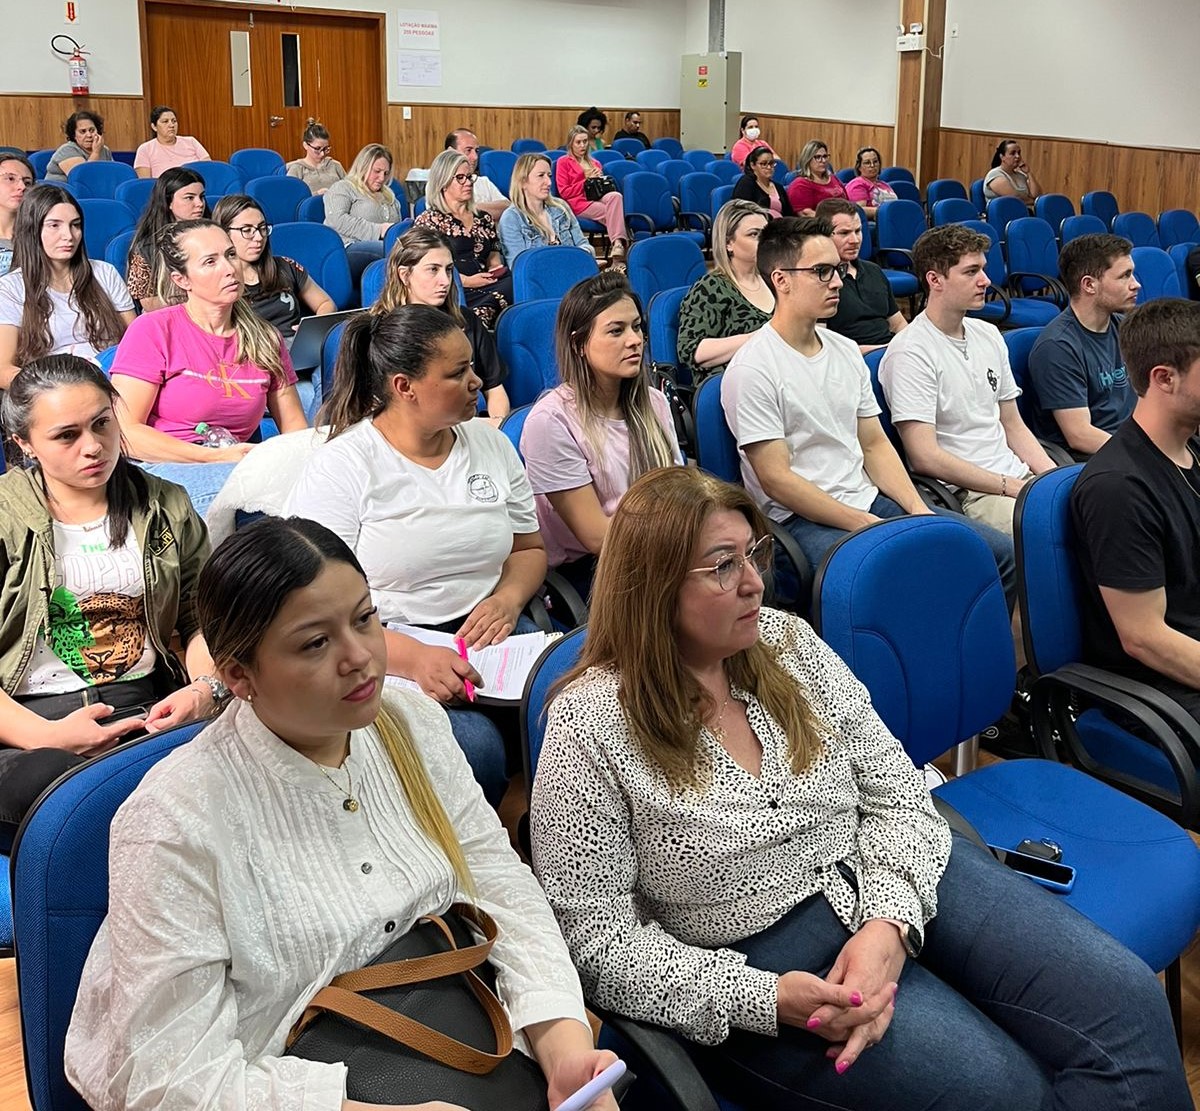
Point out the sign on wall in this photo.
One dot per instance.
(419, 30)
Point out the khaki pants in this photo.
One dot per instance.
(991, 509)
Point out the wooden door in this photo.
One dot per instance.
(338, 78)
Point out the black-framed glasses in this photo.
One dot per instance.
(253, 231)
(319, 150)
(728, 569)
(823, 271)
(462, 179)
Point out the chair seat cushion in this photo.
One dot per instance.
(1137, 872)
(6, 920)
(1121, 750)
(1028, 312)
(903, 285)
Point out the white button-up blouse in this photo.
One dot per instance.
(239, 886)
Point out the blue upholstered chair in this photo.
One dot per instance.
(1156, 271)
(1033, 257)
(952, 210)
(1075, 226)
(672, 146)
(548, 272)
(99, 179)
(497, 166)
(651, 159)
(893, 174)
(662, 333)
(135, 194)
(525, 340)
(514, 424)
(312, 210)
(1177, 225)
(527, 146)
(1102, 204)
(219, 178)
(1054, 208)
(944, 189)
(252, 162)
(663, 262)
(1138, 227)
(117, 252)
(278, 196)
(629, 148)
(103, 221)
(1001, 211)
(319, 250)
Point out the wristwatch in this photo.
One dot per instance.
(219, 691)
(911, 938)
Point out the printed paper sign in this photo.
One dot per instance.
(419, 30)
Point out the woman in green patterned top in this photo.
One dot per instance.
(725, 308)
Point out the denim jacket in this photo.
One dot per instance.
(518, 234)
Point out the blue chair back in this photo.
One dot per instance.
(663, 262)
(952, 210)
(103, 221)
(219, 178)
(663, 331)
(497, 166)
(513, 425)
(696, 191)
(99, 179)
(319, 250)
(1054, 208)
(396, 231)
(716, 448)
(847, 175)
(279, 196)
(372, 282)
(329, 353)
(620, 171)
(525, 340)
(40, 161)
(649, 208)
(873, 359)
(936, 657)
(608, 157)
(1177, 225)
(945, 189)
(548, 272)
(135, 194)
(105, 358)
(629, 148)
(1001, 211)
(672, 146)
(312, 210)
(527, 146)
(899, 224)
(1155, 269)
(906, 191)
(1075, 226)
(728, 172)
(651, 159)
(1138, 227)
(675, 170)
(1102, 204)
(252, 162)
(1187, 281)
(555, 662)
(978, 197)
(1019, 342)
(1032, 249)
(418, 206)
(698, 157)
(60, 880)
(720, 196)
(893, 174)
(117, 252)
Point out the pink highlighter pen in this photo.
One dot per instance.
(460, 644)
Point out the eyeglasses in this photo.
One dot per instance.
(253, 231)
(462, 179)
(319, 150)
(12, 179)
(823, 271)
(728, 568)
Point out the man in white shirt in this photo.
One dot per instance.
(800, 404)
(950, 388)
(487, 196)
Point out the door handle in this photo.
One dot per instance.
(274, 121)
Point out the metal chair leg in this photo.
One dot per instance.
(966, 756)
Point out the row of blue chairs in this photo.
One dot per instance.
(250, 163)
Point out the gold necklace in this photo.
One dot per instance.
(718, 729)
(350, 803)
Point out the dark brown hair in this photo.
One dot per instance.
(1165, 332)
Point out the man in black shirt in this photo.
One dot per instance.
(1136, 511)
(867, 312)
(633, 129)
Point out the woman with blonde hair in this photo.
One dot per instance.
(737, 849)
(205, 364)
(580, 182)
(588, 439)
(816, 180)
(420, 271)
(727, 306)
(220, 928)
(471, 233)
(361, 207)
(536, 218)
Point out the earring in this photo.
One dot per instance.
(250, 698)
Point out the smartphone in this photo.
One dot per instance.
(125, 713)
(498, 272)
(1049, 873)
(594, 1088)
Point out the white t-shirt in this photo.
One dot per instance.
(67, 331)
(96, 632)
(772, 392)
(926, 378)
(432, 541)
(485, 192)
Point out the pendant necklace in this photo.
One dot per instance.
(350, 803)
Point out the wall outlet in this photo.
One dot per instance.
(407, 112)
(910, 42)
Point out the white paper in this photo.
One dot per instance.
(420, 67)
(504, 666)
(419, 30)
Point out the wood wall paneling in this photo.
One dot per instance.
(34, 121)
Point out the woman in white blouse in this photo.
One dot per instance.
(737, 848)
(242, 880)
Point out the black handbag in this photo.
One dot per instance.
(596, 187)
(375, 1021)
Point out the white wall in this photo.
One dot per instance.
(826, 59)
(534, 52)
(1103, 70)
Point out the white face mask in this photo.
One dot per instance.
(752, 133)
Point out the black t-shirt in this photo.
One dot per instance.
(1193, 269)
(1137, 523)
(623, 134)
(865, 305)
(484, 353)
(283, 306)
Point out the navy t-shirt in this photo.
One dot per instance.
(1071, 367)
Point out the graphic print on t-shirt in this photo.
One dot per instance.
(218, 378)
(101, 638)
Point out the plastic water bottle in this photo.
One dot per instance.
(214, 436)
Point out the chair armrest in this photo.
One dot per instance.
(634, 218)
(1061, 456)
(702, 221)
(802, 569)
(563, 601)
(535, 609)
(995, 291)
(1166, 725)
(1058, 292)
(905, 257)
(660, 1054)
(937, 493)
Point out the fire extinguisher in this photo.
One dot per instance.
(76, 63)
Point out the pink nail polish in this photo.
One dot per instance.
(856, 999)
(842, 1066)
(813, 1023)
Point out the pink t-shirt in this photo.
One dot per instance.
(862, 190)
(198, 375)
(559, 456)
(744, 146)
(156, 157)
(806, 193)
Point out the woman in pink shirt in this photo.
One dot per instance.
(868, 189)
(168, 148)
(571, 172)
(816, 181)
(208, 361)
(749, 138)
(587, 440)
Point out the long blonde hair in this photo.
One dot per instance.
(361, 166)
(725, 226)
(516, 188)
(631, 628)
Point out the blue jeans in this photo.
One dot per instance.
(360, 255)
(1016, 1002)
(815, 540)
(202, 481)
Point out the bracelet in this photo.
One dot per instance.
(219, 691)
(1004, 486)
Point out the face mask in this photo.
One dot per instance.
(752, 133)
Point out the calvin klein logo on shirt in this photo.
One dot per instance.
(482, 488)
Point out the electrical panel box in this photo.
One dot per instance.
(914, 40)
(710, 100)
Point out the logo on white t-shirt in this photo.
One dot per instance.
(993, 380)
(482, 488)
